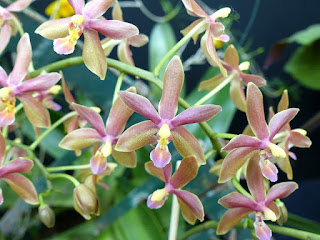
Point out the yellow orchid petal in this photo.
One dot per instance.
(277, 151)
(244, 65)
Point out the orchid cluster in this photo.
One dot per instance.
(253, 156)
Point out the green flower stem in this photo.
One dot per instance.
(21, 146)
(174, 218)
(18, 108)
(118, 86)
(65, 168)
(17, 23)
(5, 132)
(239, 188)
(176, 47)
(66, 176)
(53, 126)
(215, 90)
(209, 153)
(298, 234)
(226, 135)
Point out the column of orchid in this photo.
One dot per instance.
(253, 155)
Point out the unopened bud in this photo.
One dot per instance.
(283, 213)
(85, 201)
(47, 216)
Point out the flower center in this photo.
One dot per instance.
(8, 98)
(164, 134)
(76, 27)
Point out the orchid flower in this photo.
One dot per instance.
(10, 173)
(231, 64)
(47, 99)
(289, 138)
(66, 31)
(214, 30)
(165, 124)
(263, 205)
(108, 135)
(14, 87)
(6, 26)
(124, 53)
(190, 204)
(243, 146)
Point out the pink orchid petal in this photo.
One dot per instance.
(284, 101)
(3, 77)
(7, 117)
(160, 156)
(40, 83)
(155, 204)
(19, 165)
(138, 40)
(231, 218)
(216, 29)
(211, 83)
(212, 53)
(236, 200)
(257, 80)
(187, 145)
(37, 114)
(233, 162)
(231, 56)
(293, 156)
(190, 205)
(77, 6)
(19, 5)
(92, 117)
(23, 60)
(98, 163)
(255, 179)
(2, 148)
(125, 54)
(118, 116)
(80, 138)
(172, 85)
(163, 174)
(50, 104)
(140, 105)
(281, 190)
(188, 7)
(114, 29)
(96, 8)
(93, 55)
(53, 29)
(263, 232)
(237, 95)
(23, 187)
(127, 159)
(196, 114)
(187, 171)
(67, 94)
(5, 35)
(136, 136)
(242, 141)
(299, 140)
(255, 112)
(64, 45)
(224, 38)
(197, 9)
(279, 120)
(269, 170)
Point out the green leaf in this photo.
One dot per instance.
(306, 36)
(304, 65)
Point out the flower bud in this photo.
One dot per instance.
(283, 213)
(47, 216)
(85, 201)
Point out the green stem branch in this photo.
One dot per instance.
(66, 168)
(53, 126)
(226, 135)
(118, 86)
(177, 46)
(215, 90)
(66, 176)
